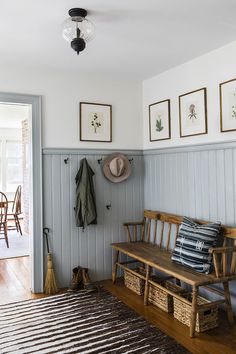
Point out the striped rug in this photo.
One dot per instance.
(79, 323)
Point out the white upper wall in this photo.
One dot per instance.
(207, 71)
(62, 93)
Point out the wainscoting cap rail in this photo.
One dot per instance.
(78, 151)
(166, 150)
(191, 148)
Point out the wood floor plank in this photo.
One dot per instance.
(21, 271)
(15, 280)
(221, 340)
(5, 279)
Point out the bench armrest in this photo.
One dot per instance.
(222, 266)
(222, 250)
(133, 229)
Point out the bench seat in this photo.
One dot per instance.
(160, 259)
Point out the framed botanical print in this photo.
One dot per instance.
(228, 106)
(95, 122)
(193, 113)
(159, 121)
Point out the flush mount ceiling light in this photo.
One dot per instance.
(77, 29)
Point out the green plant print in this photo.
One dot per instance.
(159, 126)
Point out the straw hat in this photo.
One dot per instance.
(116, 168)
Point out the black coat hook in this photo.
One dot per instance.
(130, 160)
(66, 160)
(108, 206)
(99, 161)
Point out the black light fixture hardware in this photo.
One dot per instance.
(77, 29)
(77, 12)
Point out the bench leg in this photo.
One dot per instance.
(114, 269)
(193, 312)
(148, 269)
(228, 303)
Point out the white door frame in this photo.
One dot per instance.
(37, 244)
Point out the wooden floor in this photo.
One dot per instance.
(218, 341)
(15, 280)
(15, 286)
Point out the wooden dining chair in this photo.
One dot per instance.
(15, 212)
(3, 217)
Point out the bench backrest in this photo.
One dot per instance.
(161, 229)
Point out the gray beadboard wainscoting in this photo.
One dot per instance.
(90, 248)
(197, 181)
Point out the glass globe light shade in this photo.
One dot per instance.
(76, 24)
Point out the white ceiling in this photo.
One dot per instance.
(134, 39)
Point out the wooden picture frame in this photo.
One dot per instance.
(193, 113)
(95, 122)
(228, 106)
(159, 121)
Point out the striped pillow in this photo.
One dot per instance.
(193, 243)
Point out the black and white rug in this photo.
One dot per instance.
(79, 323)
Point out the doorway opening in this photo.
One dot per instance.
(21, 243)
(15, 186)
(15, 177)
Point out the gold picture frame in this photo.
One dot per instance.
(193, 113)
(159, 121)
(228, 105)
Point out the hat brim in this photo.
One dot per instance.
(107, 171)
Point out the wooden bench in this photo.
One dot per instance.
(151, 242)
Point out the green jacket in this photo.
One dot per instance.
(85, 208)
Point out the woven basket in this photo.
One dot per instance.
(133, 282)
(206, 319)
(160, 298)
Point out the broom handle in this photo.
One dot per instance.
(45, 232)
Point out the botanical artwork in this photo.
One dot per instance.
(192, 116)
(228, 105)
(159, 120)
(159, 125)
(232, 104)
(95, 122)
(192, 113)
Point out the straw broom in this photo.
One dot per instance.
(50, 286)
